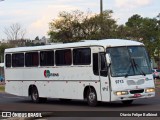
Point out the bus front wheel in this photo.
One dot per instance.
(92, 97)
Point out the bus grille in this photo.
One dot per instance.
(137, 91)
(132, 82)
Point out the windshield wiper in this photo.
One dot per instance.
(134, 64)
(138, 67)
(128, 69)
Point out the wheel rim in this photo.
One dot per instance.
(35, 95)
(92, 97)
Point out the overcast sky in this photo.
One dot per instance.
(34, 15)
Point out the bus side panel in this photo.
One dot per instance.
(14, 85)
(70, 84)
(63, 82)
(15, 88)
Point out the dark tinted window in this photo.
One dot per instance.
(103, 61)
(63, 57)
(95, 64)
(47, 58)
(18, 60)
(103, 65)
(31, 59)
(82, 56)
(103, 69)
(8, 60)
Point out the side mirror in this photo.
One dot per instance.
(108, 58)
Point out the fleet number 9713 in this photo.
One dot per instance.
(119, 81)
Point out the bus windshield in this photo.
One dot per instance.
(129, 61)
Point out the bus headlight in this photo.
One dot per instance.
(150, 90)
(118, 93)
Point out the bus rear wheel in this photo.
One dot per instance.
(127, 102)
(92, 97)
(35, 96)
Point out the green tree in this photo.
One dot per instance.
(3, 46)
(143, 30)
(77, 25)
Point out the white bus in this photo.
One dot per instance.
(105, 70)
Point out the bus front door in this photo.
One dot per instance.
(104, 79)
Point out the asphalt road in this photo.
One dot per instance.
(22, 104)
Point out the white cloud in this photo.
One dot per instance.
(40, 26)
(128, 4)
(127, 8)
(35, 15)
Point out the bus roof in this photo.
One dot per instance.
(105, 43)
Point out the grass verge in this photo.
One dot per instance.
(157, 83)
(2, 88)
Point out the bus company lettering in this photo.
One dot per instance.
(48, 74)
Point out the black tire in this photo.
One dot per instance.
(35, 96)
(92, 97)
(127, 102)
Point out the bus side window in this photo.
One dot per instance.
(18, 60)
(63, 57)
(68, 57)
(47, 58)
(82, 56)
(32, 59)
(35, 58)
(95, 63)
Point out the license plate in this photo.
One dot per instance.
(137, 95)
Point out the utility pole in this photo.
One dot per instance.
(101, 7)
(101, 16)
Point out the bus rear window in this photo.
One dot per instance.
(8, 60)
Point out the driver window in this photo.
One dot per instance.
(103, 62)
(102, 66)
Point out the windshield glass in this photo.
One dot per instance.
(129, 61)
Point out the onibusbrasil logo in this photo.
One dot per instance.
(48, 74)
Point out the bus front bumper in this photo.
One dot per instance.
(132, 96)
